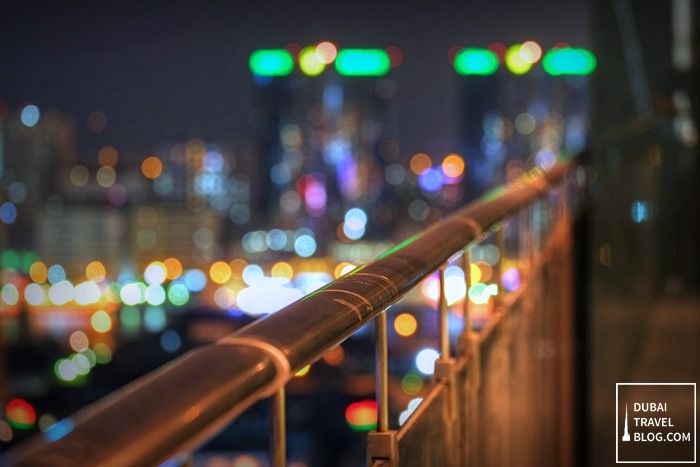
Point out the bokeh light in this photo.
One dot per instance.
(515, 62)
(38, 272)
(101, 321)
(419, 163)
(425, 361)
(79, 341)
(97, 121)
(152, 167)
(530, 52)
(453, 166)
(108, 156)
(30, 115)
(326, 52)
(309, 63)
(405, 324)
(20, 414)
(79, 175)
(220, 272)
(106, 176)
(95, 271)
(173, 268)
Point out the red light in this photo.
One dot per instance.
(395, 56)
(20, 414)
(561, 45)
(362, 416)
(293, 49)
(500, 51)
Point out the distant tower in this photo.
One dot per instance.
(626, 435)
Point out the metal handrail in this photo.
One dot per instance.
(179, 406)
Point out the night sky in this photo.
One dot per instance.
(170, 71)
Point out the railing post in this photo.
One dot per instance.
(382, 373)
(500, 242)
(382, 444)
(445, 374)
(278, 440)
(463, 341)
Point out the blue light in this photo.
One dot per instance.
(8, 213)
(58, 430)
(213, 161)
(276, 239)
(56, 274)
(640, 211)
(281, 173)
(430, 180)
(30, 115)
(170, 341)
(305, 246)
(154, 319)
(333, 98)
(195, 280)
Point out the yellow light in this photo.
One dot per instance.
(303, 371)
(453, 165)
(309, 62)
(108, 156)
(475, 273)
(326, 52)
(173, 268)
(283, 269)
(152, 167)
(38, 272)
(106, 176)
(101, 321)
(405, 325)
(220, 272)
(515, 62)
(420, 162)
(95, 271)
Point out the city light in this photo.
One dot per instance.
(476, 62)
(515, 61)
(569, 61)
(309, 63)
(362, 62)
(362, 416)
(425, 361)
(20, 414)
(271, 62)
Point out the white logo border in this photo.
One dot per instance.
(695, 423)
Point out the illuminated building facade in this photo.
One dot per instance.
(324, 135)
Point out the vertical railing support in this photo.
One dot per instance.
(278, 441)
(445, 374)
(382, 373)
(382, 444)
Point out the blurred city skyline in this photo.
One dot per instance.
(176, 71)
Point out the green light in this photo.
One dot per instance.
(476, 62)
(362, 62)
(515, 61)
(271, 62)
(569, 61)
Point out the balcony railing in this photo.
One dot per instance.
(501, 396)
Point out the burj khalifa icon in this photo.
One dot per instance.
(626, 435)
